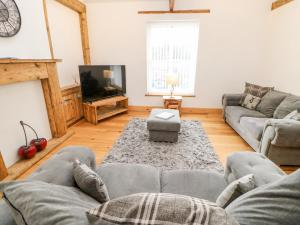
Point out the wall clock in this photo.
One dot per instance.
(10, 18)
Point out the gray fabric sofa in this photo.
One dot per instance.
(278, 139)
(125, 179)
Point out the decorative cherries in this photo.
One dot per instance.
(38, 144)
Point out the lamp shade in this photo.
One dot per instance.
(107, 74)
(172, 79)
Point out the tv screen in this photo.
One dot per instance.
(98, 82)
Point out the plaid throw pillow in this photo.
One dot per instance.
(160, 209)
(255, 90)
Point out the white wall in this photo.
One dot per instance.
(66, 39)
(23, 101)
(232, 44)
(284, 48)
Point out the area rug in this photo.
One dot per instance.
(192, 151)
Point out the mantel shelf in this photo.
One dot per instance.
(11, 61)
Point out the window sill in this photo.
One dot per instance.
(161, 95)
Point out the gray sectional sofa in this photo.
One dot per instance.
(265, 129)
(126, 179)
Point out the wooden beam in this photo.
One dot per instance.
(194, 11)
(3, 169)
(280, 3)
(14, 73)
(22, 166)
(73, 4)
(80, 8)
(48, 29)
(85, 38)
(54, 102)
(15, 61)
(171, 5)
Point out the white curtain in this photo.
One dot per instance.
(172, 48)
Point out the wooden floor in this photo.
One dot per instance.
(101, 137)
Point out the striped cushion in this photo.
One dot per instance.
(160, 209)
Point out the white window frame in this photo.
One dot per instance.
(192, 67)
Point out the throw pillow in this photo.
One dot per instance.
(159, 209)
(251, 101)
(270, 102)
(235, 190)
(40, 203)
(295, 115)
(90, 182)
(288, 105)
(276, 203)
(255, 90)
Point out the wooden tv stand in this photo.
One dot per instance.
(98, 110)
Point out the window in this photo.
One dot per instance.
(172, 48)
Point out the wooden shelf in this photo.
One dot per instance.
(102, 109)
(6, 61)
(23, 165)
(106, 113)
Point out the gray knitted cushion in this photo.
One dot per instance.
(235, 190)
(90, 182)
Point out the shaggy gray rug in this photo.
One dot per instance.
(192, 151)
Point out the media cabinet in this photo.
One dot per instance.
(98, 110)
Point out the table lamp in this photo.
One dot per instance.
(172, 80)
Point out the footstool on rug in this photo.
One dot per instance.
(161, 129)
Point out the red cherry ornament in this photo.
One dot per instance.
(39, 143)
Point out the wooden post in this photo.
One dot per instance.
(54, 102)
(3, 170)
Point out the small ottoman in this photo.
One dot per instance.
(163, 130)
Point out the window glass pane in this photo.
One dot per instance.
(172, 49)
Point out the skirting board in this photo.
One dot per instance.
(183, 110)
(22, 166)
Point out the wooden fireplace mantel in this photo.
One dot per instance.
(22, 70)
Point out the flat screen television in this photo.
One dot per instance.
(102, 81)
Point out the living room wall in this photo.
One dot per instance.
(232, 44)
(284, 48)
(23, 101)
(66, 41)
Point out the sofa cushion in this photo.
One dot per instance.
(251, 101)
(40, 203)
(276, 203)
(288, 105)
(235, 190)
(270, 102)
(90, 182)
(235, 113)
(255, 90)
(151, 208)
(242, 163)
(195, 183)
(126, 179)
(255, 126)
(295, 115)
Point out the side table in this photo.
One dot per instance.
(173, 102)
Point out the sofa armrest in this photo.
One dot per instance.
(59, 168)
(240, 164)
(283, 132)
(231, 99)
